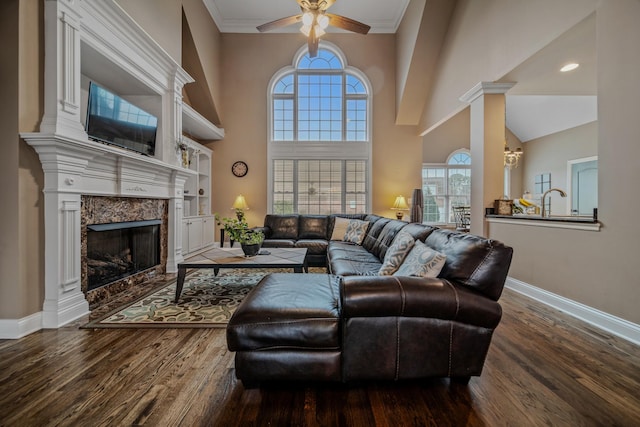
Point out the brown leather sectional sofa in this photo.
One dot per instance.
(352, 324)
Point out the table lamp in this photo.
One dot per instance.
(400, 205)
(240, 205)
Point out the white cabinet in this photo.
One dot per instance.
(197, 233)
(197, 223)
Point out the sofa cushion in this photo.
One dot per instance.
(285, 310)
(397, 252)
(385, 237)
(347, 267)
(313, 226)
(339, 228)
(282, 226)
(349, 251)
(278, 243)
(356, 230)
(314, 246)
(373, 233)
(422, 261)
(419, 231)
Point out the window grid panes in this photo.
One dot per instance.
(283, 125)
(319, 186)
(320, 101)
(446, 186)
(319, 107)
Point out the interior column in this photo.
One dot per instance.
(487, 136)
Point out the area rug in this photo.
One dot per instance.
(207, 301)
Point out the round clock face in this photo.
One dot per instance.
(239, 169)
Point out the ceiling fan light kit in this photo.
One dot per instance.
(315, 20)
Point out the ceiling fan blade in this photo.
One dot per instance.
(282, 22)
(347, 24)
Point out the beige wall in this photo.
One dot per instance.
(593, 268)
(249, 63)
(549, 154)
(21, 240)
(161, 19)
(450, 136)
(202, 58)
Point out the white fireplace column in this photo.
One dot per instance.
(63, 169)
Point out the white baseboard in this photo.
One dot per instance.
(18, 328)
(612, 324)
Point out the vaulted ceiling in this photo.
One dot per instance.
(543, 101)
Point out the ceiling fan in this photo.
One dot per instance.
(315, 20)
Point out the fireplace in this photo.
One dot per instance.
(123, 245)
(121, 249)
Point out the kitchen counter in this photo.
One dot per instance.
(554, 221)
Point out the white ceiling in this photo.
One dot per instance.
(243, 16)
(545, 100)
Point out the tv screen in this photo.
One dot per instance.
(113, 120)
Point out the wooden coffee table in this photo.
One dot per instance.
(217, 258)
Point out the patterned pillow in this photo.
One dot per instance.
(356, 230)
(396, 253)
(422, 261)
(340, 228)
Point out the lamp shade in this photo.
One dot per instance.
(240, 203)
(400, 204)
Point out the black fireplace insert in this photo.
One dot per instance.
(121, 249)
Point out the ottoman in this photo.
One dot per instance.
(288, 328)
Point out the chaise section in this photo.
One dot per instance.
(288, 328)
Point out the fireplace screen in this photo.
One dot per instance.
(121, 249)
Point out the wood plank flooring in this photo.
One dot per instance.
(543, 368)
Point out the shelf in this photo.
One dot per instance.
(197, 126)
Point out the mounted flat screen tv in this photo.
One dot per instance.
(112, 120)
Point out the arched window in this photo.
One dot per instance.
(445, 186)
(319, 144)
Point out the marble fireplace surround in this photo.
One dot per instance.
(107, 210)
(98, 40)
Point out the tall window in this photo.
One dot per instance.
(319, 137)
(445, 186)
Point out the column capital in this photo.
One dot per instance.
(485, 88)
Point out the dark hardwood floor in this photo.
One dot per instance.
(543, 368)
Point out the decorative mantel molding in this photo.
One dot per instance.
(97, 39)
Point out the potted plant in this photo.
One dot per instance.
(239, 231)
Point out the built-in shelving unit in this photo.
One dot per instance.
(197, 223)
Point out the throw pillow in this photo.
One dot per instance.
(356, 230)
(397, 252)
(422, 261)
(340, 228)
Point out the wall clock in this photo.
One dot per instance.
(239, 169)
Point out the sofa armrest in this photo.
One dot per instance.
(384, 296)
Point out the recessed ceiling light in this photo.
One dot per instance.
(569, 67)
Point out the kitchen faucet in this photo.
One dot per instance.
(562, 193)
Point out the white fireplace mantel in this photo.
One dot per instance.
(113, 45)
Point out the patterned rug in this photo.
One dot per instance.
(207, 301)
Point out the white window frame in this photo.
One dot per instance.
(318, 150)
(446, 166)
